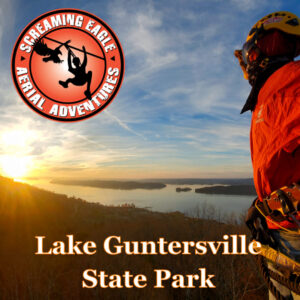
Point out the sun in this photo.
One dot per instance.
(16, 139)
(15, 166)
(16, 162)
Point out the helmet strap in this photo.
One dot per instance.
(258, 80)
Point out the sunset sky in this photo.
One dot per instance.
(178, 111)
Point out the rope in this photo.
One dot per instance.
(278, 258)
(75, 48)
(72, 53)
(292, 283)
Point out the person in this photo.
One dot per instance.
(81, 77)
(268, 62)
(42, 49)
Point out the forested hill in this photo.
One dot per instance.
(228, 190)
(26, 212)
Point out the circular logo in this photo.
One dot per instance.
(67, 65)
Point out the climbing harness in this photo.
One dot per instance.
(283, 204)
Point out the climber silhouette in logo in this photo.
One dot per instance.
(41, 48)
(81, 76)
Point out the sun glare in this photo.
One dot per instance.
(15, 144)
(15, 167)
(15, 138)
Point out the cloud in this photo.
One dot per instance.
(247, 5)
(146, 41)
(178, 109)
(7, 21)
(122, 124)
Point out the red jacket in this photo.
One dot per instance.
(275, 133)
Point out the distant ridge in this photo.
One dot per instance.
(229, 181)
(112, 184)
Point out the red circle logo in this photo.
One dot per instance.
(67, 65)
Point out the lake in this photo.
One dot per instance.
(163, 200)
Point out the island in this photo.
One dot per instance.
(111, 184)
(186, 189)
(248, 190)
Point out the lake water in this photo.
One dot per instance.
(163, 200)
